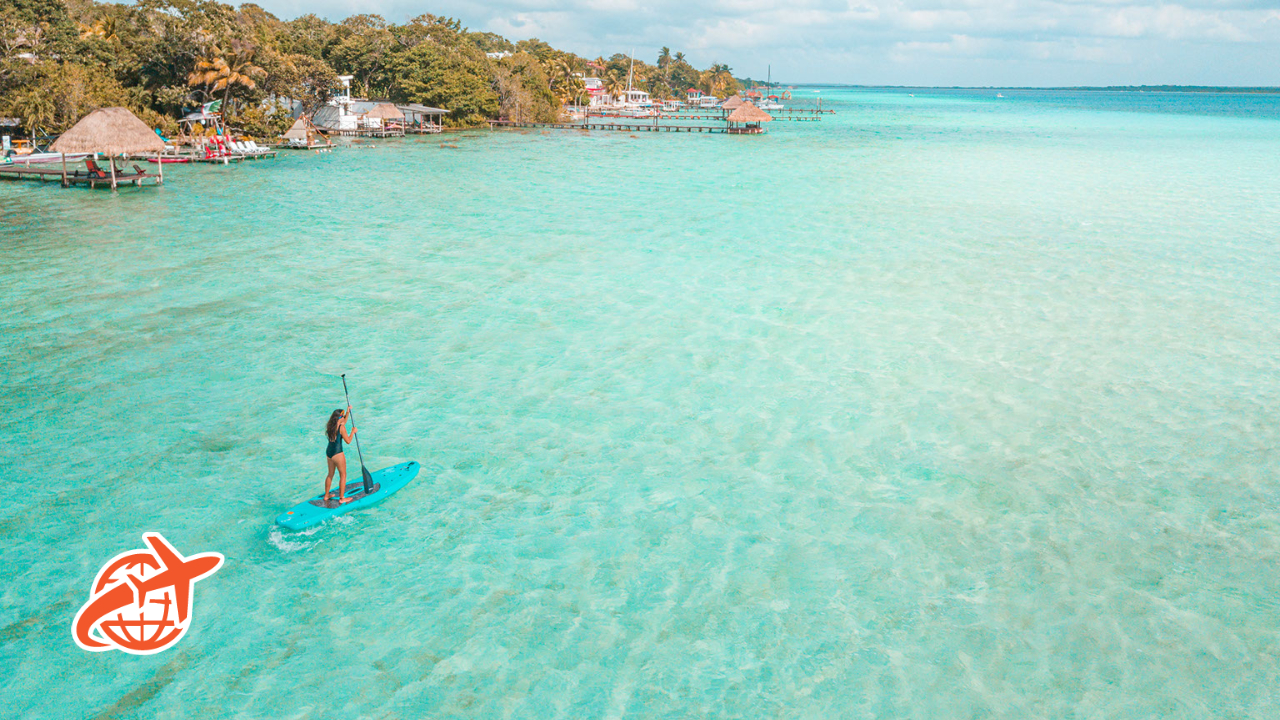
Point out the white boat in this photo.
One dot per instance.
(770, 102)
(708, 101)
(671, 106)
(46, 157)
(635, 103)
(635, 100)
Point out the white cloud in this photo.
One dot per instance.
(978, 42)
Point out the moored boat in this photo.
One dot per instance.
(45, 157)
(769, 103)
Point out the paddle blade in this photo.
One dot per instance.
(368, 479)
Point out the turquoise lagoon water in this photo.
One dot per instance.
(948, 406)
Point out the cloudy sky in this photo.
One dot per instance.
(893, 42)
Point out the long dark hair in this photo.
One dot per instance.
(331, 427)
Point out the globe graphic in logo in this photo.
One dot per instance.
(139, 628)
(141, 600)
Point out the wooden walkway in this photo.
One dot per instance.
(364, 133)
(226, 159)
(796, 118)
(620, 127)
(27, 172)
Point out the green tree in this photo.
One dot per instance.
(523, 91)
(458, 79)
(562, 80)
(307, 35)
(490, 42)
(536, 48)
(300, 77)
(719, 81)
(227, 71)
(363, 48)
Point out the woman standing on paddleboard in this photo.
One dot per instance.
(336, 432)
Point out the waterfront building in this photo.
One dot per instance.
(596, 94)
(422, 119)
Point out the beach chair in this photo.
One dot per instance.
(92, 169)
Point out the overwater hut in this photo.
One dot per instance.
(386, 118)
(422, 119)
(747, 120)
(304, 135)
(112, 132)
(732, 103)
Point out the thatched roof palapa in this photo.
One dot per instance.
(748, 113)
(732, 103)
(113, 131)
(298, 131)
(385, 111)
(302, 129)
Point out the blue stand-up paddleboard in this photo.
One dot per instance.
(316, 510)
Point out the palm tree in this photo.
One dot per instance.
(36, 109)
(615, 83)
(564, 83)
(226, 70)
(719, 79)
(664, 58)
(104, 27)
(680, 57)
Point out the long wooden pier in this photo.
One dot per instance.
(722, 116)
(80, 177)
(225, 159)
(624, 127)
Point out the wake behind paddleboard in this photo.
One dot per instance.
(316, 510)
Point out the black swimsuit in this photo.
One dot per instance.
(335, 447)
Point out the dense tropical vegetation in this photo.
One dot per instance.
(60, 59)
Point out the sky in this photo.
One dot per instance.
(1043, 43)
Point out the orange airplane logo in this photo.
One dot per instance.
(141, 600)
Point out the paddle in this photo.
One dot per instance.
(368, 479)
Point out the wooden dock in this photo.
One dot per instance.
(363, 132)
(722, 116)
(625, 127)
(80, 177)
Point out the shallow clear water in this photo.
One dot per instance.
(948, 406)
